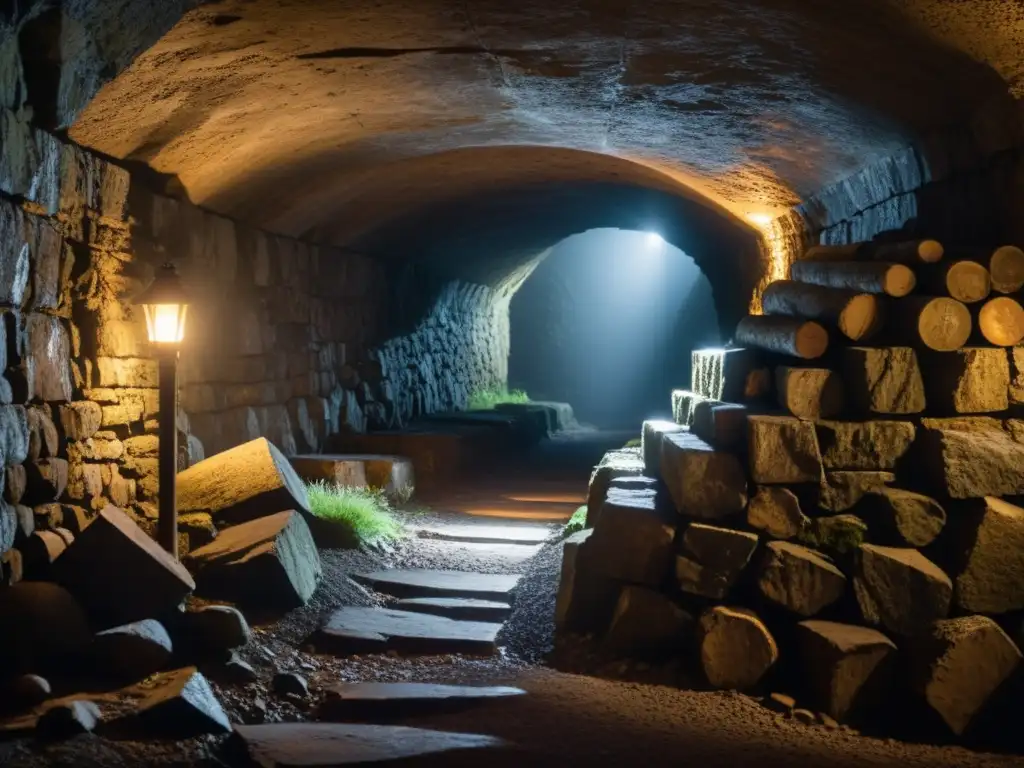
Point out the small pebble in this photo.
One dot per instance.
(805, 716)
(68, 720)
(780, 702)
(290, 684)
(828, 721)
(234, 671)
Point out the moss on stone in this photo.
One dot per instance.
(840, 534)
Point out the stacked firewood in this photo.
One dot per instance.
(915, 293)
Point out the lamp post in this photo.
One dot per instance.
(165, 305)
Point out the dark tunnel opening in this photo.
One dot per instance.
(607, 322)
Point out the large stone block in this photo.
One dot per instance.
(622, 463)
(711, 559)
(704, 483)
(119, 574)
(903, 518)
(50, 263)
(651, 436)
(80, 420)
(958, 666)
(972, 457)
(736, 648)
(866, 445)
(731, 375)
(720, 425)
(783, 449)
(268, 564)
(848, 669)
(564, 599)
(47, 359)
(44, 625)
(883, 379)
(842, 491)
(799, 579)
(992, 580)
(14, 252)
(683, 403)
(250, 481)
(14, 434)
(900, 589)
(587, 596)
(776, 512)
(632, 540)
(810, 393)
(646, 624)
(126, 372)
(970, 380)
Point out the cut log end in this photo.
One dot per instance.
(899, 280)
(1006, 266)
(930, 251)
(944, 324)
(861, 318)
(968, 281)
(1001, 321)
(805, 339)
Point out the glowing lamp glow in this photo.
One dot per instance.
(166, 306)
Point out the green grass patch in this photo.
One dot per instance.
(576, 523)
(364, 512)
(487, 399)
(634, 443)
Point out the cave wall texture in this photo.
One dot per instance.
(354, 196)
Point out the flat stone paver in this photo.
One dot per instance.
(428, 583)
(360, 701)
(460, 608)
(489, 534)
(291, 745)
(376, 630)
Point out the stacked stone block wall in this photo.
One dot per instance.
(285, 339)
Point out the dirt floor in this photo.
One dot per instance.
(609, 717)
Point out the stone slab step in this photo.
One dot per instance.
(427, 583)
(356, 701)
(458, 608)
(291, 745)
(356, 629)
(488, 534)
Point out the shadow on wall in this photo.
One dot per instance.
(607, 323)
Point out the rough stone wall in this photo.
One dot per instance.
(284, 339)
(963, 185)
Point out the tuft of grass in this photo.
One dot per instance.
(634, 443)
(576, 523)
(364, 512)
(487, 399)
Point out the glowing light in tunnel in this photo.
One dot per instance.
(654, 240)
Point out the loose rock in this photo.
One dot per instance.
(269, 563)
(960, 664)
(234, 671)
(133, 651)
(214, 628)
(95, 570)
(903, 517)
(67, 720)
(848, 669)
(736, 649)
(776, 512)
(633, 539)
(51, 627)
(182, 706)
(26, 692)
(249, 481)
(799, 579)
(290, 684)
(711, 559)
(900, 589)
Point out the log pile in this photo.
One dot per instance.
(839, 524)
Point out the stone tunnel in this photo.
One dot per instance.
(355, 194)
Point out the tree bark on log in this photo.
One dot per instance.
(857, 315)
(910, 252)
(805, 339)
(864, 276)
(965, 280)
(938, 322)
(1001, 321)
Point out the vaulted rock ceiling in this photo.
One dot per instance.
(287, 112)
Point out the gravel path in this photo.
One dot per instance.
(566, 719)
